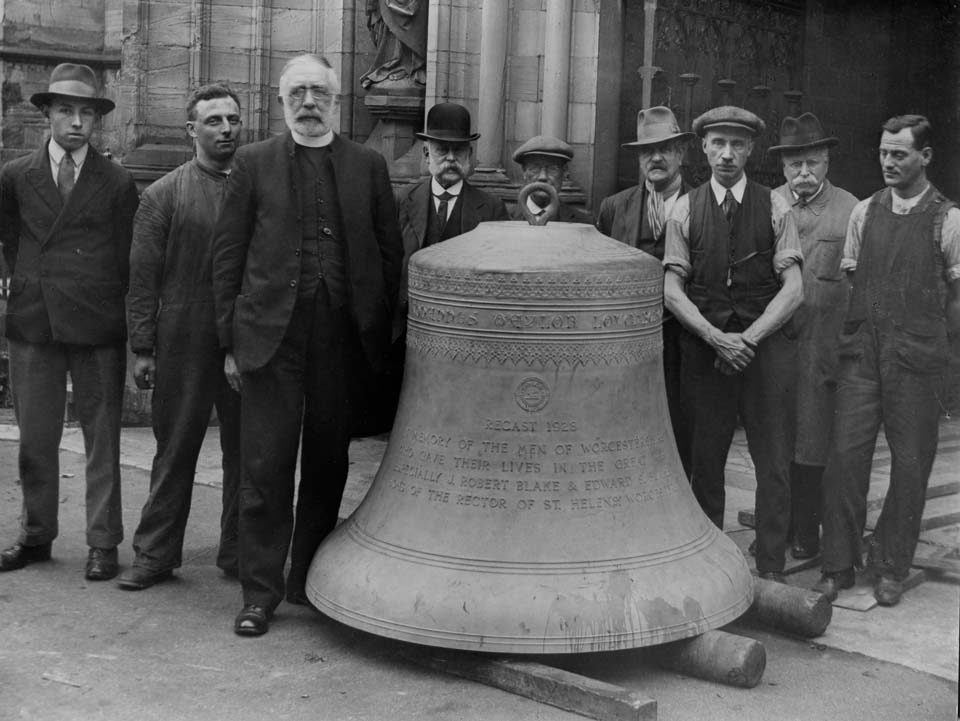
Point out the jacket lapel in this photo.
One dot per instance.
(636, 207)
(41, 179)
(472, 208)
(418, 210)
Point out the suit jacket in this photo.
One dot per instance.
(477, 207)
(69, 264)
(257, 245)
(620, 214)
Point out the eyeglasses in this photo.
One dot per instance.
(320, 94)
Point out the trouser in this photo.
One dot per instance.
(806, 495)
(302, 390)
(676, 396)
(189, 384)
(762, 396)
(868, 394)
(38, 376)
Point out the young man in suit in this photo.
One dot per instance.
(66, 219)
(306, 266)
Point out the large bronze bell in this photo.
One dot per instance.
(531, 499)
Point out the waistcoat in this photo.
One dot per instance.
(732, 274)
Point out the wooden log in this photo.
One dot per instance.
(546, 684)
(714, 656)
(789, 609)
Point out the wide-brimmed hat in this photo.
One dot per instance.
(73, 81)
(543, 145)
(802, 133)
(657, 125)
(448, 123)
(728, 116)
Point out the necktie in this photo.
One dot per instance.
(729, 204)
(65, 180)
(444, 198)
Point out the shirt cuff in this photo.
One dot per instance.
(680, 266)
(784, 259)
(953, 273)
(848, 265)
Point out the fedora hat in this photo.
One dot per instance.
(77, 82)
(802, 133)
(656, 125)
(448, 123)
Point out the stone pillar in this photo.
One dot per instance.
(493, 63)
(556, 68)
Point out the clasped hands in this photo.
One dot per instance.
(734, 351)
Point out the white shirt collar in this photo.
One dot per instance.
(809, 198)
(902, 206)
(738, 189)
(438, 189)
(57, 152)
(311, 141)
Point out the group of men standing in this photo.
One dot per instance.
(260, 280)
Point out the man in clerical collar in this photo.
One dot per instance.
(306, 266)
(821, 211)
(66, 219)
(733, 278)
(544, 159)
(638, 216)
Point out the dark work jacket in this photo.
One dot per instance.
(899, 290)
(732, 262)
(624, 217)
(69, 264)
(257, 244)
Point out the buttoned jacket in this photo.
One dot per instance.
(258, 242)
(69, 263)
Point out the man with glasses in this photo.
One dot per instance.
(306, 266)
(173, 335)
(544, 159)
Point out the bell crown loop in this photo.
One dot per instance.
(552, 209)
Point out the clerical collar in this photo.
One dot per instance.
(720, 192)
(438, 189)
(310, 141)
(57, 152)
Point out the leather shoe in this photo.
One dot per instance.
(801, 550)
(775, 576)
(831, 583)
(252, 620)
(18, 555)
(102, 564)
(137, 578)
(888, 591)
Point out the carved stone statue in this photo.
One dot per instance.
(399, 32)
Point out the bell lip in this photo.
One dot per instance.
(341, 542)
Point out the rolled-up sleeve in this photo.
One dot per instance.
(786, 244)
(851, 246)
(676, 254)
(950, 244)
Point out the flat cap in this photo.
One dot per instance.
(728, 116)
(543, 145)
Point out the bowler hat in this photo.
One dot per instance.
(448, 123)
(77, 82)
(543, 145)
(802, 133)
(656, 125)
(728, 116)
